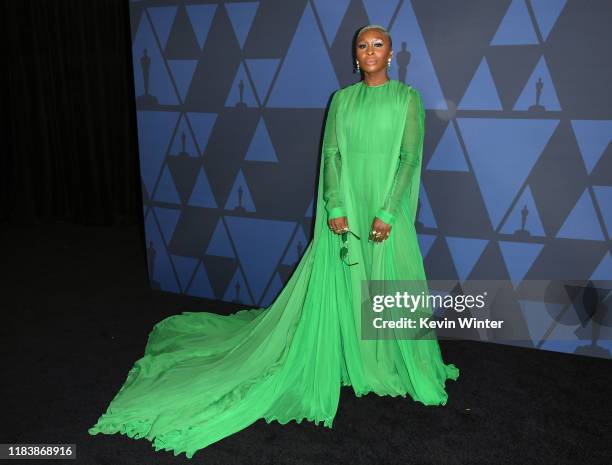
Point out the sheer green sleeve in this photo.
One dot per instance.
(411, 151)
(332, 168)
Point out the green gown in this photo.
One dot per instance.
(205, 376)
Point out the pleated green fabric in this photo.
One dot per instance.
(204, 376)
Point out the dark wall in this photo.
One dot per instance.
(72, 152)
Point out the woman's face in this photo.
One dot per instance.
(373, 50)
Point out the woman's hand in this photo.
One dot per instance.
(338, 225)
(380, 231)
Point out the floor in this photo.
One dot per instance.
(77, 312)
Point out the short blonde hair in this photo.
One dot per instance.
(377, 27)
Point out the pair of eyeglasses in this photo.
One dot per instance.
(344, 252)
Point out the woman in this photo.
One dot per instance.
(206, 376)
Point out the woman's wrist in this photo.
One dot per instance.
(386, 217)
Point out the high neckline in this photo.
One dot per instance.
(379, 85)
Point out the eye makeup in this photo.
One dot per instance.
(378, 43)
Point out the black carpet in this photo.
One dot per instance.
(77, 312)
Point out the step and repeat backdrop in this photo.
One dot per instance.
(517, 170)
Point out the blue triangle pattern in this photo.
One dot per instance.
(201, 17)
(565, 337)
(533, 223)
(262, 71)
(166, 190)
(426, 214)
(163, 270)
(537, 317)
(182, 71)
(189, 148)
(185, 266)
(200, 286)
(582, 222)
(516, 28)
(503, 152)
(202, 124)
(546, 13)
(519, 257)
(331, 13)
(260, 244)
(233, 97)
(481, 93)
(241, 16)
(448, 155)
(162, 18)
(421, 73)
(380, 11)
(237, 290)
(307, 61)
(220, 244)
(276, 285)
(296, 248)
(593, 137)
(425, 243)
(234, 200)
(548, 100)
(202, 195)
(261, 148)
(161, 88)
(309, 209)
(465, 252)
(603, 194)
(603, 271)
(155, 130)
(168, 218)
